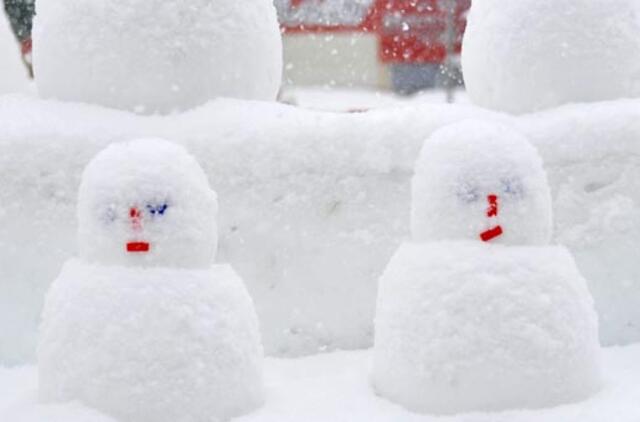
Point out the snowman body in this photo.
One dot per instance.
(527, 55)
(142, 325)
(157, 56)
(478, 312)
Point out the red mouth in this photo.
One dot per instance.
(491, 234)
(138, 247)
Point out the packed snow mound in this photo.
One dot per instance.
(463, 326)
(156, 56)
(151, 345)
(13, 74)
(479, 180)
(526, 55)
(146, 202)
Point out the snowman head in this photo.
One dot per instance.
(482, 181)
(146, 203)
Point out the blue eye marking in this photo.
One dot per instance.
(513, 187)
(109, 215)
(467, 193)
(157, 209)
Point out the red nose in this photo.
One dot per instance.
(135, 215)
(492, 212)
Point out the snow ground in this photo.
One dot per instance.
(335, 387)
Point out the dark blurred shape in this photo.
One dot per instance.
(20, 13)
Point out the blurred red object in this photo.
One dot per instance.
(415, 31)
(26, 46)
(409, 31)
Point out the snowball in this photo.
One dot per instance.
(151, 345)
(480, 180)
(463, 326)
(526, 55)
(156, 55)
(13, 74)
(146, 202)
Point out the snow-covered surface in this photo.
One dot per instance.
(151, 344)
(312, 204)
(335, 387)
(480, 180)
(13, 73)
(526, 55)
(146, 194)
(158, 55)
(466, 326)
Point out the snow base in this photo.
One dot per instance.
(464, 326)
(151, 345)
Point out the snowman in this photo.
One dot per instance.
(478, 312)
(142, 325)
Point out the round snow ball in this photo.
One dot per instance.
(478, 180)
(526, 55)
(146, 203)
(151, 345)
(157, 56)
(13, 73)
(464, 327)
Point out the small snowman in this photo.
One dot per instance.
(479, 312)
(142, 325)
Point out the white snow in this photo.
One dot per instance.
(147, 192)
(156, 56)
(13, 73)
(466, 326)
(151, 344)
(475, 177)
(526, 55)
(335, 387)
(312, 205)
(154, 333)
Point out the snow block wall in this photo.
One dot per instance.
(312, 205)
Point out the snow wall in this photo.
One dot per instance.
(312, 205)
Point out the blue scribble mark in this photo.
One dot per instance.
(467, 193)
(110, 215)
(157, 209)
(513, 187)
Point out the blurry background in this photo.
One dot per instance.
(350, 55)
